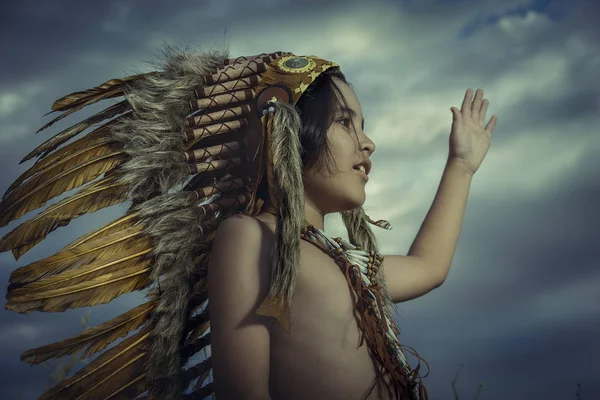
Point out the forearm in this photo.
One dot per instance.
(437, 238)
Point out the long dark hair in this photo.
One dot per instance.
(317, 107)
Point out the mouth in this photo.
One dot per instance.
(362, 174)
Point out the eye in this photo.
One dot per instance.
(345, 119)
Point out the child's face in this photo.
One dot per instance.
(346, 190)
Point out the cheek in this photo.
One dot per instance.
(344, 151)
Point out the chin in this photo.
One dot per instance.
(338, 195)
(352, 200)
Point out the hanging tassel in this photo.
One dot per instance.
(284, 177)
(272, 306)
(381, 223)
(251, 209)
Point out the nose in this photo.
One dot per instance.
(367, 144)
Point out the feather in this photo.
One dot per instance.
(202, 392)
(93, 339)
(69, 133)
(196, 321)
(92, 140)
(128, 258)
(124, 222)
(85, 252)
(199, 330)
(194, 347)
(74, 99)
(27, 197)
(200, 371)
(119, 370)
(99, 290)
(90, 199)
(102, 96)
(43, 171)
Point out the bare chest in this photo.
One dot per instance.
(321, 357)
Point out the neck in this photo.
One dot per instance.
(314, 216)
(311, 215)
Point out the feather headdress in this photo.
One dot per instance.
(187, 147)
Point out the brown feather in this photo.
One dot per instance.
(102, 96)
(93, 339)
(124, 222)
(125, 383)
(83, 385)
(194, 347)
(129, 257)
(49, 145)
(103, 131)
(90, 199)
(196, 321)
(200, 371)
(74, 130)
(86, 252)
(93, 139)
(42, 171)
(68, 163)
(27, 197)
(200, 330)
(99, 290)
(202, 393)
(74, 99)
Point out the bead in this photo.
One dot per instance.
(339, 250)
(302, 236)
(370, 259)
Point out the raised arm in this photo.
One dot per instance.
(238, 277)
(428, 261)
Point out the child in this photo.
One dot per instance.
(243, 236)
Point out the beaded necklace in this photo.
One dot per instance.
(360, 268)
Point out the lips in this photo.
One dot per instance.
(362, 174)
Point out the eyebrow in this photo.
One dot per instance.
(352, 113)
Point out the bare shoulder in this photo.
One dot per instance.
(238, 281)
(240, 256)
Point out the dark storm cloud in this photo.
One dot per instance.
(518, 307)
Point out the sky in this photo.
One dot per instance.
(520, 308)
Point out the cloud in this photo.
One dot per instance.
(519, 27)
(14, 100)
(522, 289)
(118, 18)
(19, 332)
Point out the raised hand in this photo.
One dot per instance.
(469, 140)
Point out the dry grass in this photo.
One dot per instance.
(62, 370)
(456, 396)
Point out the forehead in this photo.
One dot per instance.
(348, 94)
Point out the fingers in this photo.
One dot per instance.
(491, 124)
(475, 107)
(476, 103)
(483, 111)
(466, 104)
